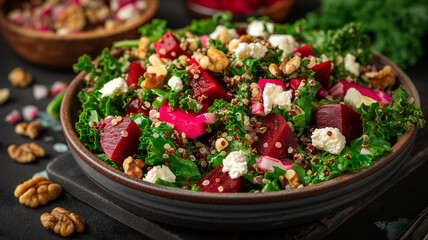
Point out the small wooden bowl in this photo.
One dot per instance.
(62, 51)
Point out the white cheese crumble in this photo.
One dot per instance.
(250, 50)
(273, 95)
(175, 83)
(257, 28)
(328, 139)
(351, 65)
(236, 164)
(285, 42)
(163, 172)
(232, 32)
(116, 86)
(354, 99)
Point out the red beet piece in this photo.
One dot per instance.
(136, 106)
(193, 68)
(322, 73)
(218, 181)
(277, 138)
(119, 139)
(304, 51)
(340, 116)
(295, 83)
(135, 71)
(169, 47)
(209, 86)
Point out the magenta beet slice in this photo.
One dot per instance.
(169, 47)
(304, 51)
(322, 73)
(277, 138)
(340, 116)
(119, 138)
(135, 71)
(262, 83)
(184, 122)
(218, 181)
(135, 107)
(209, 88)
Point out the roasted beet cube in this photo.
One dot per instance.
(322, 73)
(218, 181)
(119, 138)
(275, 141)
(304, 51)
(193, 68)
(208, 88)
(136, 106)
(340, 116)
(135, 71)
(169, 47)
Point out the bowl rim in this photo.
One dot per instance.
(146, 15)
(230, 198)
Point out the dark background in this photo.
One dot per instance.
(405, 200)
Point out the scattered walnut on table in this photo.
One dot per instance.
(37, 191)
(19, 78)
(215, 60)
(132, 167)
(383, 78)
(62, 222)
(25, 153)
(31, 130)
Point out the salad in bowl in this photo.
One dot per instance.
(226, 107)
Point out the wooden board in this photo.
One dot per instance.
(64, 171)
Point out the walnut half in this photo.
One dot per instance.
(132, 167)
(37, 191)
(62, 221)
(383, 78)
(19, 78)
(31, 130)
(25, 153)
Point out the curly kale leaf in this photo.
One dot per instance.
(155, 30)
(207, 26)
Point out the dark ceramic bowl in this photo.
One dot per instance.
(234, 211)
(62, 51)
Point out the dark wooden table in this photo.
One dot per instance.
(397, 203)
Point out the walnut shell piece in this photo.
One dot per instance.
(19, 78)
(25, 153)
(383, 78)
(62, 221)
(37, 191)
(132, 167)
(31, 130)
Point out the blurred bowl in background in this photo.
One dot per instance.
(62, 51)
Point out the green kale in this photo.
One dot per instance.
(207, 26)
(272, 183)
(396, 26)
(155, 30)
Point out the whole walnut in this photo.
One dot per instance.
(62, 221)
(37, 191)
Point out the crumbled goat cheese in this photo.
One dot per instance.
(163, 172)
(236, 164)
(250, 50)
(232, 32)
(351, 65)
(115, 86)
(286, 43)
(175, 83)
(354, 99)
(273, 95)
(328, 139)
(257, 28)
